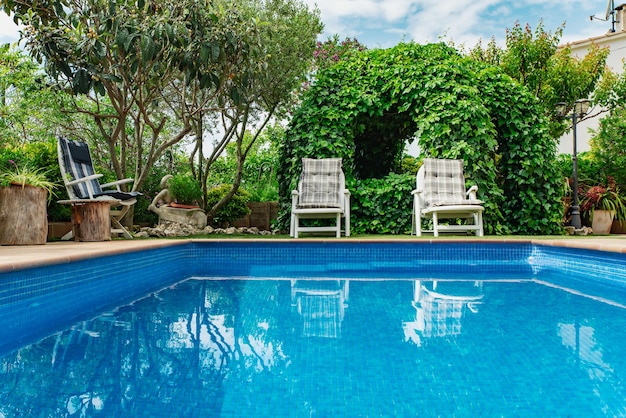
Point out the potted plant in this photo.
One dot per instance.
(185, 191)
(604, 203)
(24, 194)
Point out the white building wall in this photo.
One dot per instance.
(616, 42)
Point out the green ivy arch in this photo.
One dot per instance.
(364, 110)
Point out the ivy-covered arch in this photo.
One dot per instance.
(364, 110)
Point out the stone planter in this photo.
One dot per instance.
(23, 215)
(602, 221)
(194, 217)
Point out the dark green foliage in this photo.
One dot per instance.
(365, 108)
(259, 167)
(382, 206)
(185, 189)
(236, 208)
(608, 146)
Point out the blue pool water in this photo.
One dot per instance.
(403, 330)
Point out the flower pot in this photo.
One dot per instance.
(602, 221)
(23, 215)
(619, 227)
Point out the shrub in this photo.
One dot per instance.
(608, 145)
(185, 189)
(235, 209)
(382, 206)
(365, 108)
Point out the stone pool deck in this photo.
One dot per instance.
(21, 257)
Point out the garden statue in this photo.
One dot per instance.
(166, 205)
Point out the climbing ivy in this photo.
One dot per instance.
(365, 108)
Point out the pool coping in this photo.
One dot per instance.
(13, 258)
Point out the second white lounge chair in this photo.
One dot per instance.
(440, 194)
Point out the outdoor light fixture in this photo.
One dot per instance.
(580, 109)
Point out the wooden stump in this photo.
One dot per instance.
(23, 215)
(91, 221)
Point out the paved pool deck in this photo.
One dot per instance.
(27, 256)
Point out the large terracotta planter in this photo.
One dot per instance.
(23, 215)
(602, 221)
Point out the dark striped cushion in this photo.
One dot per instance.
(78, 164)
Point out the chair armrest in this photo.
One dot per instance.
(117, 183)
(417, 191)
(471, 192)
(346, 192)
(83, 179)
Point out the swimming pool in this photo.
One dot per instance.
(394, 329)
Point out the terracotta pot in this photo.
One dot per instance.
(602, 221)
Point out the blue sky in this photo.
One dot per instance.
(384, 23)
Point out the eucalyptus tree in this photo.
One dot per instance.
(124, 56)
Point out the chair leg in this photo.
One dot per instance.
(347, 221)
(479, 222)
(292, 224)
(296, 224)
(69, 235)
(435, 225)
(338, 223)
(116, 224)
(417, 219)
(118, 227)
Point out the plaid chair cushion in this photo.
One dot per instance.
(320, 182)
(444, 183)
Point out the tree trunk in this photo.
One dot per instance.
(23, 215)
(91, 221)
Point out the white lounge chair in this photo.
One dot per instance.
(321, 194)
(440, 194)
(82, 184)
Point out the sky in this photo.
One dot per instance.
(384, 23)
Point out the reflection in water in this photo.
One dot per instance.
(321, 304)
(271, 348)
(440, 307)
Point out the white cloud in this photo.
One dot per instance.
(8, 30)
